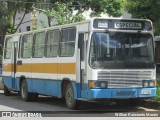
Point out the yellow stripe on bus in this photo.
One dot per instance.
(51, 68)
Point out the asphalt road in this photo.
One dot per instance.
(55, 107)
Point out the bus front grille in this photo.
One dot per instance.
(124, 79)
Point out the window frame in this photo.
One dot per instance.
(33, 44)
(21, 41)
(5, 47)
(60, 44)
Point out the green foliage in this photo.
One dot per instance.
(158, 87)
(158, 93)
(62, 10)
(147, 9)
(8, 11)
(112, 7)
(62, 13)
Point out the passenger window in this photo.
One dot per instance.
(26, 46)
(52, 43)
(38, 45)
(68, 42)
(8, 48)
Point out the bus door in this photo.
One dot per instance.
(14, 62)
(7, 62)
(81, 64)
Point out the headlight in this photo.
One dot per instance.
(98, 84)
(145, 84)
(149, 83)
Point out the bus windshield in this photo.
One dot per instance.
(119, 50)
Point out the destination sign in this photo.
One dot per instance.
(122, 24)
(133, 25)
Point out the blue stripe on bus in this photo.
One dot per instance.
(46, 87)
(53, 88)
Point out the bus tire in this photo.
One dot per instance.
(69, 98)
(25, 95)
(6, 91)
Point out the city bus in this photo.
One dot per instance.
(94, 60)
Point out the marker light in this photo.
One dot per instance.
(98, 84)
(91, 84)
(155, 83)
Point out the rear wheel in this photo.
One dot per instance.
(25, 95)
(69, 98)
(6, 91)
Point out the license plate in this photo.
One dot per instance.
(146, 92)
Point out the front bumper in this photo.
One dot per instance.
(121, 93)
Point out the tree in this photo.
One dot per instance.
(62, 10)
(147, 9)
(8, 11)
(63, 13)
(112, 7)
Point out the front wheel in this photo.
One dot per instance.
(25, 95)
(69, 98)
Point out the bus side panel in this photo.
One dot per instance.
(37, 75)
(7, 81)
(17, 83)
(53, 87)
(38, 86)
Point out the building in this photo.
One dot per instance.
(32, 21)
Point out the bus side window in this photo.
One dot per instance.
(38, 44)
(8, 48)
(26, 46)
(52, 43)
(67, 44)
